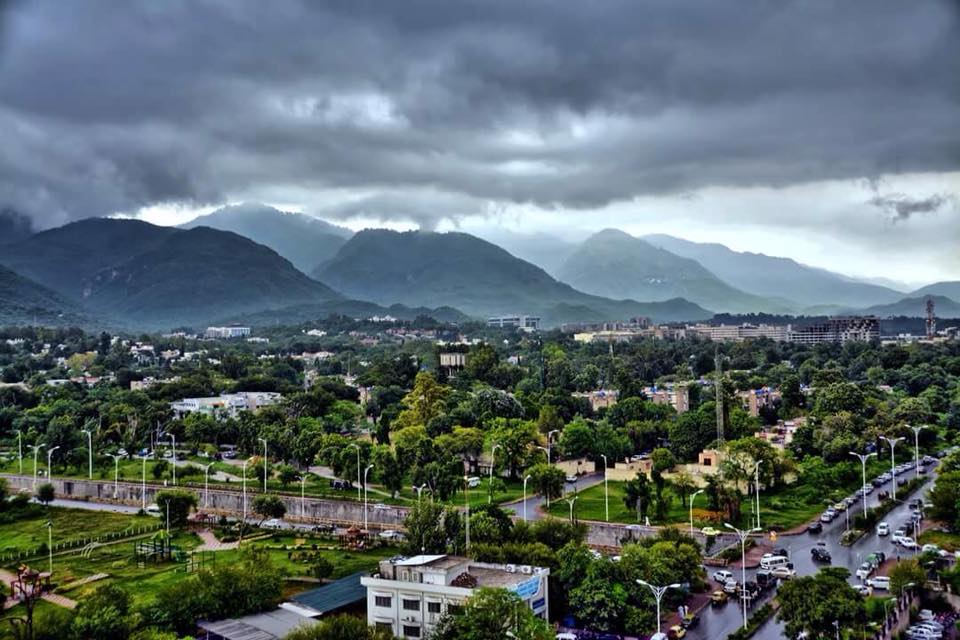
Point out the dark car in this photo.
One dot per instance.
(765, 578)
(820, 554)
(815, 527)
(780, 551)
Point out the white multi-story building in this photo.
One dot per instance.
(527, 323)
(226, 405)
(740, 332)
(227, 332)
(409, 595)
(842, 330)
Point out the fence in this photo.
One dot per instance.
(18, 554)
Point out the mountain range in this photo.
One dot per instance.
(23, 301)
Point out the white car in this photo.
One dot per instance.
(730, 586)
(784, 573)
(908, 543)
(380, 506)
(879, 582)
(883, 529)
(863, 590)
(153, 509)
(935, 549)
(390, 534)
(864, 570)
(722, 576)
(273, 523)
(917, 632)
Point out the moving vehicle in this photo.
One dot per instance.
(722, 576)
(908, 543)
(863, 590)
(764, 578)
(879, 582)
(730, 586)
(770, 561)
(710, 531)
(784, 572)
(273, 523)
(828, 515)
(690, 620)
(821, 554)
(864, 570)
(719, 598)
(676, 631)
(815, 527)
(883, 529)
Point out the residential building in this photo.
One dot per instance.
(527, 323)
(409, 595)
(848, 329)
(600, 399)
(453, 360)
(740, 332)
(756, 399)
(227, 332)
(676, 395)
(149, 381)
(226, 405)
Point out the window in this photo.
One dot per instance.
(384, 625)
(454, 609)
(433, 607)
(382, 601)
(411, 605)
(411, 632)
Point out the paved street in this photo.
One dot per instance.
(534, 502)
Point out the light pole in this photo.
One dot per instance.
(893, 463)
(550, 444)
(571, 502)
(606, 490)
(916, 450)
(420, 491)
(756, 484)
(264, 441)
(365, 472)
(89, 452)
(243, 523)
(303, 499)
(525, 496)
(546, 451)
(50, 464)
(493, 463)
(359, 484)
(20, 450)
(466, 500)
(173, 457)
(863, 465)
(658, 595)
(693, 497)
(743, 534)
(36, 448)
(116, 472)
(50, 546)
(206, 485)
(143, 484)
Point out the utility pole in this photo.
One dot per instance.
(718, 385)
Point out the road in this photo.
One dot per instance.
(719, 622)
(534, 502)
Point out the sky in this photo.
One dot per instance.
(825, 131)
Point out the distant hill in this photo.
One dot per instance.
(915, 307)
(14, 226)
(542, 249)
(24, 302)
(615, 264)
(781, 278)
(479, 278)
(298, 314)
(303, 240)
(947, 289)
(198, 275)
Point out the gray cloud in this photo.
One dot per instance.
(428, 109)
(901, 206)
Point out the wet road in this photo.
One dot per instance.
(718, 623)
(534, 502)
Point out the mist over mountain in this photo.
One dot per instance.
(25, 302)
(14, 226)
(615, 264)
(782, 278)
(914, 307)
(542, 249)
(477, 277)
(303, 240)
(949, 289)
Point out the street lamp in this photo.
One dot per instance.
(116, 472)
(893, 463)
(36, 448)
(243, 524)
(50, 464)
(264, 441)
(743, 534)
(173, 457)
(545, 451)
(20, 450)
(756, 483)
(863, 464)
(493, 463)
(365, 472)
(303, 499)
(606, 490)
(359, 484)
(658, 594)
(550, 444)
(143, 483)
(50, 546)
(420, 491)
(206, 485)
(571, 502)
(89, 452)
(916, 450)
(525, 496)
(692, 498)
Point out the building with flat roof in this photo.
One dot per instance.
(226, 332)
(740, 332)
(842, 330)
(226, 405)
(527, 323)
(409, 595)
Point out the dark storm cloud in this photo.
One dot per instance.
(109, 106)
(901, 206)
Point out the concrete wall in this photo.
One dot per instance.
(223, 502)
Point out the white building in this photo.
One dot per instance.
(527, 323)
(740, 332)
(226, 405)
(227, 332)
(842, 330)
(410, 595)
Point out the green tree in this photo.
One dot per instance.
(340, 627)
(811, 604)
(269, 506)
(179, 502)
(637, 495)
(546, 480)
(599, 599)
(516, 438)
(578, 439)
(426, 530)
(388, 469)
(287, 475)
(425, 401)
(549, 420)
(45, 493)
(683, 485)
(945, 497)
(321, 567)
(490, 614)
(905, 575)
(104, 615)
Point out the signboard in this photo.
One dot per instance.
(528, 588)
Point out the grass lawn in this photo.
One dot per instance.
(512, 490)
(948, 541)
(68, 525)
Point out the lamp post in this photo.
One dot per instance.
(173, 457)
(546, 451)
(863, 466)
(893, 463)
(493, 463)
(420, 491)
(50, 464)
(658, 595)
(359, 484)
(264, 441)
(36, 448)
(606, 490)
(466, 500)
(50, 546)
(143, 484)
(693, 497)
(756, 484)
(571, 502)
(550, 444)
(20, 450)
(206, 485)
(743, 534)
(527, 477)
(116, 472)
(303, 499)
(365, 472)
(916, 450)
(89, 452)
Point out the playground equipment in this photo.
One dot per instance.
(156, 549)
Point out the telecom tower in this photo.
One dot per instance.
(931, 319)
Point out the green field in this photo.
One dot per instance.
(69, 525)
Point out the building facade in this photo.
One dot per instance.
(528, 323)
(408, 596)
(228, 405)
(842, 330)
(226, 332)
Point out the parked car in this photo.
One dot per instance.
(710, 531)
(879, 582)
(273, 523)
(820, 554)
(908, 543)
(883, 529)
(814, 527)
(722, 575)
(863, 590)
(864, 570)
(730, 586)
(153, 509)
(473, 482)
(828, 515)
(764, 578)
(784, 573)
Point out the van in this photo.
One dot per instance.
(771, 562)
(473, 482)
(722, 576)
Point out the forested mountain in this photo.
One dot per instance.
(615, 264)
(303, 240)
(479, 278)
(14, 226)
(24, 302)
(781, 278)
(949, 289)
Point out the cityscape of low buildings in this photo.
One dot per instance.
(675, 395)
(228, 405)
(754, 400)
(841, 330)
(600, 399)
